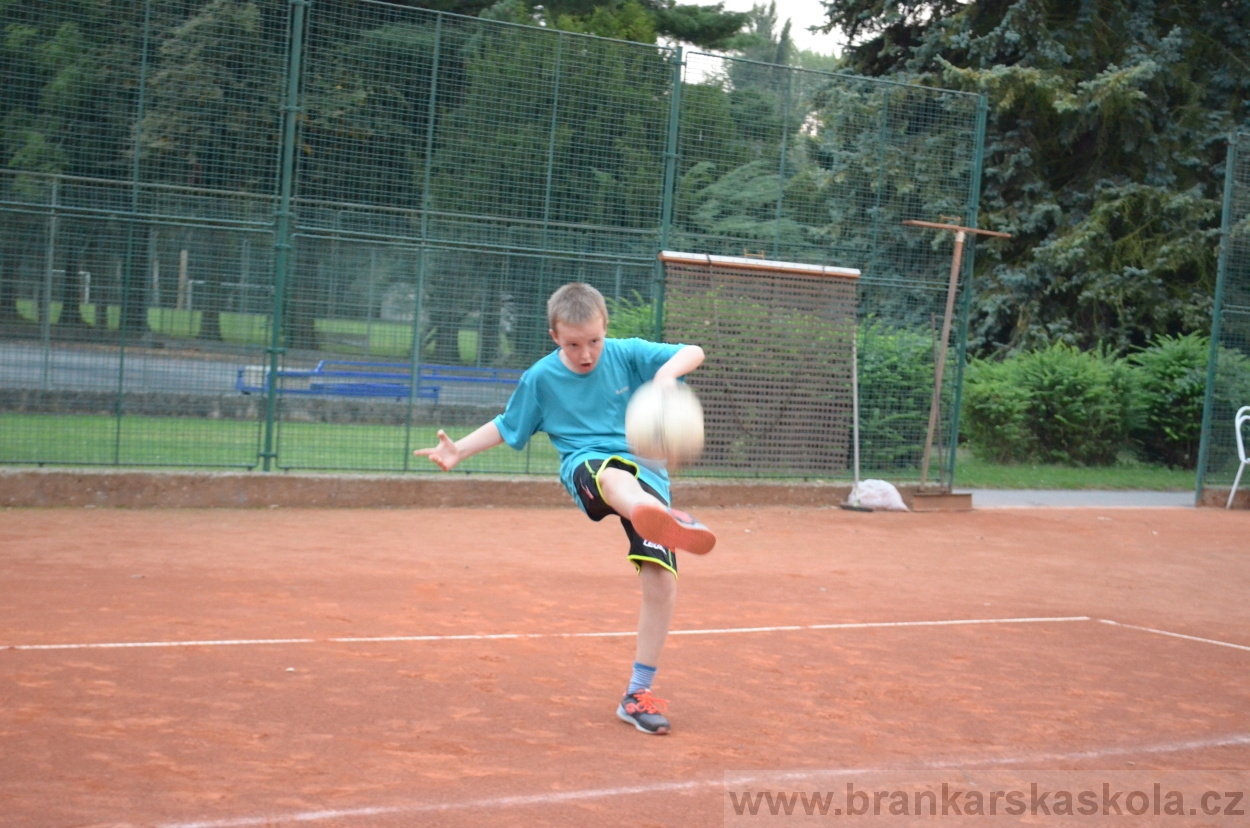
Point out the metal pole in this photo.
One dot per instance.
(543, 290)
(877, 213)
(373, 275)
(418, 335)
(855, 398)
(956, 263)
(670, 183)
(961, 357)
(45, 303)
(1217, 312)
(282, 227)
(781, 166)
(124, 317)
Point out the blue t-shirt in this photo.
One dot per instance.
(584, 414)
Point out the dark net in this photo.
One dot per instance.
(776, 385)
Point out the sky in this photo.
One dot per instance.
(802, 13)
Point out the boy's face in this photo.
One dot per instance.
(580, 345)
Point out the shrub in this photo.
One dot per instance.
(995, 407)
(895, 392)
(631, 317)
(1170, 382)
(1057, 405)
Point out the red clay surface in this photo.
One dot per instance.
(506, 731)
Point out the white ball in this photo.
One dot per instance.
(665, 422)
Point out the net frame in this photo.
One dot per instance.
(777, 383)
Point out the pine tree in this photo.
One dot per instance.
(1104, 154)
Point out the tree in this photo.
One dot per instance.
(67, 108)
(710, 26)
(216, 95)
(1104, 152)
(762, 41)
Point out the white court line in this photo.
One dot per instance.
(948, 623)
(242, 642)
(1176, 635)
(113, 645)
(505, 802)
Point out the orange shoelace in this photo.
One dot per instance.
(646, 703)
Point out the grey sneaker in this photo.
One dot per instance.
(644, 711)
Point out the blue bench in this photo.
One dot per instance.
(393, 380)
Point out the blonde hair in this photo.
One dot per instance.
(576, 304)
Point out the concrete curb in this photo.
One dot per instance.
(43, 488)
(143, 489)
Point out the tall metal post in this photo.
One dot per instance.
(551, 157)
(965, 311)
(1217, 312)
(45, 299)
(883, 133)
(418, 335)
(781, 165)
(124, 321)
(282, 225)
(670, 184)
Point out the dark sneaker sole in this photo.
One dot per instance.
(657, 524)
(662, 730)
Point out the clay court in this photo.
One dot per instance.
(461, 666)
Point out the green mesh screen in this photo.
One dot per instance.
(182, 284)
(1228, 371)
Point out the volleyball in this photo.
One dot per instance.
(665, 422)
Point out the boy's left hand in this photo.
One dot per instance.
(445, 455)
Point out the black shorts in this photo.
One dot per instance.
(586, 480)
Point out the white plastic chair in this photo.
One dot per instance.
(1243, 414)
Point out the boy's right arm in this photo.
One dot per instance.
(449, 452)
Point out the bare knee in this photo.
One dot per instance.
(621, 490)
(659, 585)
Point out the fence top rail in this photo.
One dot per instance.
(746, 263)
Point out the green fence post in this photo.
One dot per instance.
(282, 225)
(781, 164)
(414, 377)
(125, 321)
(45, 295)
(1217, 310)
(965, 310)
(668, 196)
(543, 289)
(882, 145)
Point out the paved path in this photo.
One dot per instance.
(1096, 498)
(27, 365)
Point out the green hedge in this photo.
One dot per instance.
(1061, 405)
(1058, 405)
(895, 392)
(1171, 381)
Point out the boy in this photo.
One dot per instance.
(577, 395)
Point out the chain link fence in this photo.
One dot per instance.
(1228, 368)
(305, 235)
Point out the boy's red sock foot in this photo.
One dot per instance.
(671, 528)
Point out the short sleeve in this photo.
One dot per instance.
(523, 415)
(649, 357)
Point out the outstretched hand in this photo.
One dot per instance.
(445, 455)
